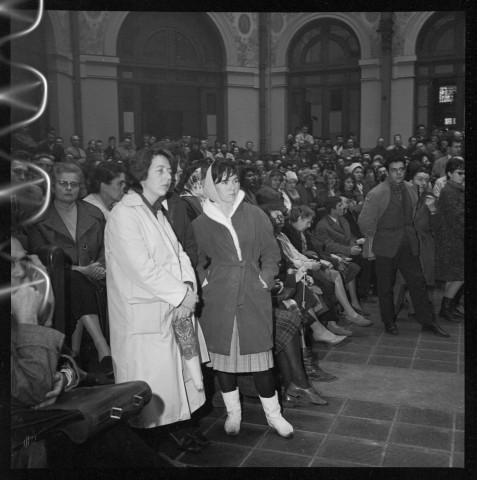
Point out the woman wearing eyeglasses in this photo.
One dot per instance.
(77, 227)
(449, 237)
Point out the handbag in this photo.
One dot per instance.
(80, 413)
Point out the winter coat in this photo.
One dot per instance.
(86, 248)
(244, 256)
(449, 236)
(385, 241)
(146, 271)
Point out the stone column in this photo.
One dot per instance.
(242, 105)
(99, 84)
(402, 96)
(371, 103)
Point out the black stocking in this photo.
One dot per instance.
(264, 383)
(227, 381)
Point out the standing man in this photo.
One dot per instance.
(111, 153)
(50, 146)
(127, 151)
(387, 221)
(439, 167)
(303, 136)
(78, 153)
(250, 153)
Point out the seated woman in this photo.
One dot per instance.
(249, 183)
(300, 220)
(78, 228)
(354, 203)
(107, 187)
(270, 192)
(291, 190)
(335, 234)
(329, 188)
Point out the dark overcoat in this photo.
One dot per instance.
(233, 288)
(87, 247)
(450, 234)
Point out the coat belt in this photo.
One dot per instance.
(241, 264)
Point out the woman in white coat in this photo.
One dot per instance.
(151, 284)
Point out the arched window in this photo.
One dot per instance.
(324, 79)
(171, 75)
(440, 71)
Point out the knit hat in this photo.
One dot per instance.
(353, 166)
(291, 176)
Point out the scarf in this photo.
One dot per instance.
(214, 212)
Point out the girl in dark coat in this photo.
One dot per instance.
(450, 237)
(238, 259)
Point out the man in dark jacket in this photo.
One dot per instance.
(387, 220)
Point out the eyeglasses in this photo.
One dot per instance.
(397, 170)
(19, 171)
(65, 184)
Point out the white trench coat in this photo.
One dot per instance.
(146, 267)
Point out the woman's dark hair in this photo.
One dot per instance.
(302, 211)
(368, 168)
(141, 162)
(244, 170)
(276, 173)
(105, 172)
(455, 163)
(331, 203)
(343, 180)
(223, 170)
(420, 169)
(413, 167)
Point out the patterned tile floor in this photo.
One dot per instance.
(343, 434)
(410, 349)
(351, 432)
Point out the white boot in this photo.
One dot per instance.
(271, 408)
(234, 412)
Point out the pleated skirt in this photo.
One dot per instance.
(237, 363)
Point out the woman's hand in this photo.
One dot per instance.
(93, 270)
(190, 300)
(59, 383)
(355, 250)
(430, 201)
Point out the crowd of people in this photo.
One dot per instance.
(218, 256)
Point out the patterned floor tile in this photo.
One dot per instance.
(362, 428)
(420, 436)
(263, 458)
(351, 450)
(424, 416)
(303, 443)
(364, 409)
(434, 365)
(400, 456)
(249, 434)
(217, 455)
(384, 361)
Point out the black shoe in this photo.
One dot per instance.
(435, 329)
(185, 443)
(200, 438)
(391, 329)
(447, 311)
(319, 375)
(106, 366)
